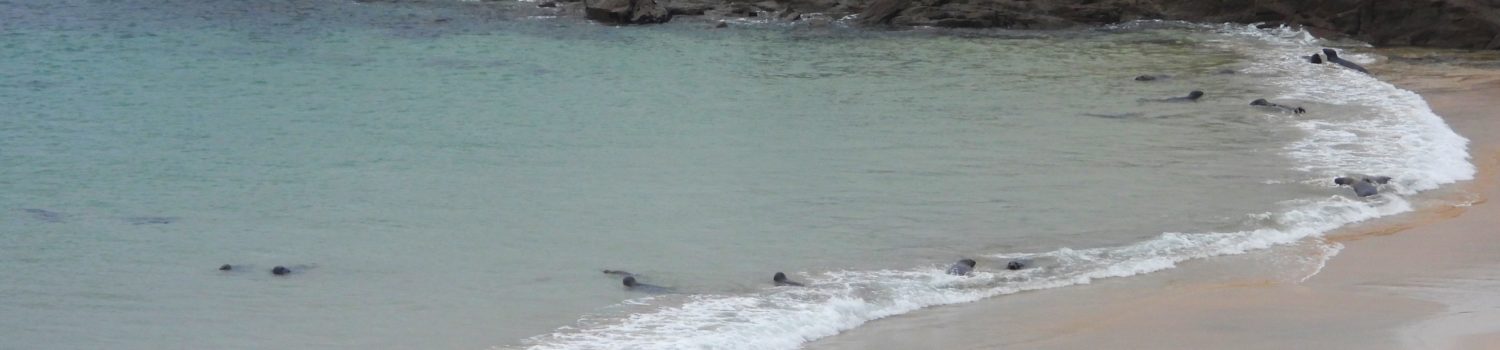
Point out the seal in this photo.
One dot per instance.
(631, 284)
(1284, 108)
(1316, 59)
(962, 268)
(44, 215)
(150, 220)
(281, 271)
(1017, 264)
(1333, 56)
(782, 281)
(225, 267)
(1362, 188)
(1149, 77)
(618, 273)
(1191, 97)
(1114, 116)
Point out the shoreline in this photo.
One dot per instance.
(1418, 280)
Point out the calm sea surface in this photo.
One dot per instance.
(456, 175)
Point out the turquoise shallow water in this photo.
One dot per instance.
(459, 183)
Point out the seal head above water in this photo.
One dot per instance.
(962, 268)
(782, 281)
(1284, 108)
(1017, 264)
(1362, 188)
(1333, 56)
(1191, 97)
(631, 284)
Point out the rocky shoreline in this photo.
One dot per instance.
(1463, 24)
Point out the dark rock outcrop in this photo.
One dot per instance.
(1471, 24)
(626, 11)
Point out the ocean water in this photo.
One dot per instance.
(455, 175)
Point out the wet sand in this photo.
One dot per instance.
(1423, 280)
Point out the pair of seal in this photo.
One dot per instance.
(965, 266)
(1364, 187)
(962, 268)
(782, 281)
(278, 270)
(1284, 108)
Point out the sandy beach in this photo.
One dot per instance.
(1429, 279)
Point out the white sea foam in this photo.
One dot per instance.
(1400, 137)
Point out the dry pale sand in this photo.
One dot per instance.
(1423, 280)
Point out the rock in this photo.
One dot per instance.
(818, 22)
(626, 11)
(1468, 24)
(688, 7)
(790, 15)
(741, 10)
(882, 11)
(572, 9)
(830, 7)
(769, 6)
